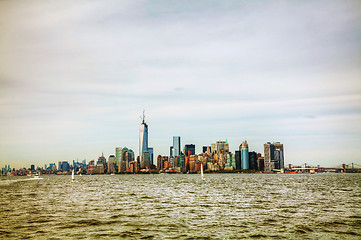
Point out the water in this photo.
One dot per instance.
(225, 206)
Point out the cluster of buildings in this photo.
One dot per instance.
(215, 157)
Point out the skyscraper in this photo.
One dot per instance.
(143, 136)
(253, 160)
(220, 146)
(118, 155)
(245, 157)
(176, 146)
(190, 147)
(273, 156)
(238, 160)
(111, 164)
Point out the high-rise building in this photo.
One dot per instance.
(150, 150)
(273, 156)
(213, 147)
(143, 137)
(190, 147)
(171, 151)
(253, 160)
(145, 162)
(111, 164)
(238, 159)
(118, 155)
(245, 156)
(226, 146)
(278, 154)
(176, 146)
(204, 149)
(220, 146)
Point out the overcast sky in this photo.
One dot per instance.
(76, 75)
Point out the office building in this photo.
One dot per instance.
(176, 146)
(111, 164)
(238, 158)
(220, 146)
(245, 156)
(150, 150)
(252, 157)
(118, 155)
(191, 148)
(143, 137)
(273, 156)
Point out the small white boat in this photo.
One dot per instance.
(37, 176)
(202, 175)
(72, 176)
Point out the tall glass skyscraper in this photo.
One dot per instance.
(176, 146)
(143, 137)
(245, 155)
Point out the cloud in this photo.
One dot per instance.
(81, 72)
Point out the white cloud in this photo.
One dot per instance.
(75, 76)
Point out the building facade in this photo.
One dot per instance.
(143, 137)
(245, 155)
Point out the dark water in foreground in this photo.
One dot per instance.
(225, 206)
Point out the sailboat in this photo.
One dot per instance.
(203, 177)
(72, 176)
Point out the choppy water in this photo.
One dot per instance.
(225, 206)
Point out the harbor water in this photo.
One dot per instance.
(182, 206)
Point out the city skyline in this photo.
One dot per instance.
(76, 75)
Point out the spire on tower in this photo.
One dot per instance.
(143, 117)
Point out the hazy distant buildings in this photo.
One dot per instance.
(273, 156)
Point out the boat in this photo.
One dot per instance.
(202, 175)
(37, 176)
(72, 176)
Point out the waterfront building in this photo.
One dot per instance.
(143, 137)
(260, 163)
(111, 164)
(273, 156)
(238, 160)
(145, 160)
(191, 148)
(220, 146)
(230, 162)
(118, 155)
(151, 152)
(159, 162)
(91, 167)
(252, 156)
(206, 149)
(213, 148)
(181, 161)
(171, 151)
(245, 156)
(176, 146)
(226, 146)
(32, 167)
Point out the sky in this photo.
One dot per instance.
(75, 77)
